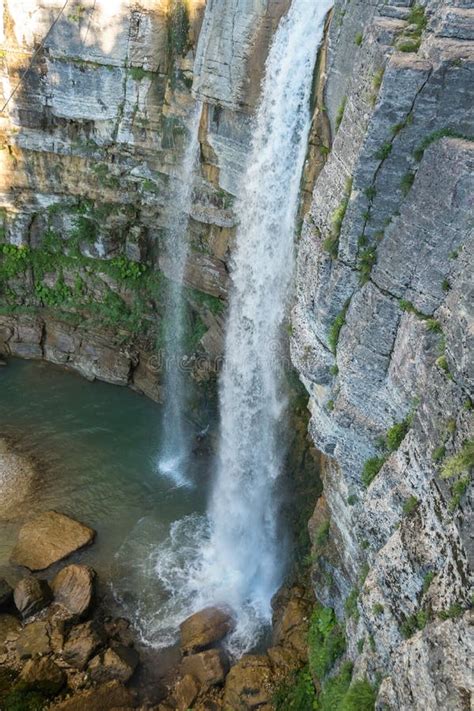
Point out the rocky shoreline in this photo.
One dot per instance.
(60, 648)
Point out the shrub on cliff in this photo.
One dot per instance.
(326, 641)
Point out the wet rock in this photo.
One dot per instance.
(116, 662)
(103, 698)
(118, 629)
(6, 593)
(205, 628)
(33, 640)
(284, 659)
(83, 642)
(291, 630)
(42, 674)
(49, 537)
(248, 684)
(31, 595)
(73, 588)
(208, 667)
(9, 627)
(185, 692)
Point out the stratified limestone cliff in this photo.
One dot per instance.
(382, 339)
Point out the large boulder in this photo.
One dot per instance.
(83, 642)
(249, 684)
(6, 593)
(31, 596)
(33, 640)
(49, 537)
(73, 588)
(117, 662)
(103, 698)
(208, 667)
(42, 674)
(205, 628)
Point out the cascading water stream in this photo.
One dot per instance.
(175, 451)
(244, 558)
(235, 556)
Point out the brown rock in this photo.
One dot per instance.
(73, 588)
(31, 596)
(6, 593)
(248, 684)
(83, 642)
(205, 628)
(103, 698)
(32, 640)
(42, 674)
(208, 667)
(284, 659)
(9, 626)
(118, 629)
(291, 630)
(185, 692)
(116, 662)
(49, 537)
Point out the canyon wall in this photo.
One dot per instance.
(382, 331)
(95, 101)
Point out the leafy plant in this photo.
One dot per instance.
(296, 694)
(358, 39)
(410, 505)
(335, 330)
(326, 641)
(407, 182)
(340, 112)
(371, 469)
(384, 151)
(460, 462)
(331, 244)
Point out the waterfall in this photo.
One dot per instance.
(235, 556)
(174, 451)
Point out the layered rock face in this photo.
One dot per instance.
(382, 334)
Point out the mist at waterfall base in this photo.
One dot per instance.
(174, 460)
(234, 556)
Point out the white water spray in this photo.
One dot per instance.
(240, 560)
(175, 450)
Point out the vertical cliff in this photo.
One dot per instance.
(382, 333)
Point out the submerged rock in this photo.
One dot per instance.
(16, 479)
(208, 667)
(31, 595)
(42, 674)
(73, 588)
(205, 628)
(49, 537)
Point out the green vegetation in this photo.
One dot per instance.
(13, 260)
(335, 330)
(331, 244)
(410, 505)
(384, 151)
(436, 136)
(367, 259)
(212, 303)
(371, 469)
(340, 112)
(410, 40)
(358, 39)
(376, 84)
(351, 500)
(350, 604)
(396, 434)
(23, 700)
(326, 641)
(370, 192)
(427, 580)
(139, 73)
(297, 693)
(360, 697)
(413, 623)
(378, 608)
(459, 488)
(406, 182)
(461, 462)
(439, 453)
(453, 611)
(322, 534)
